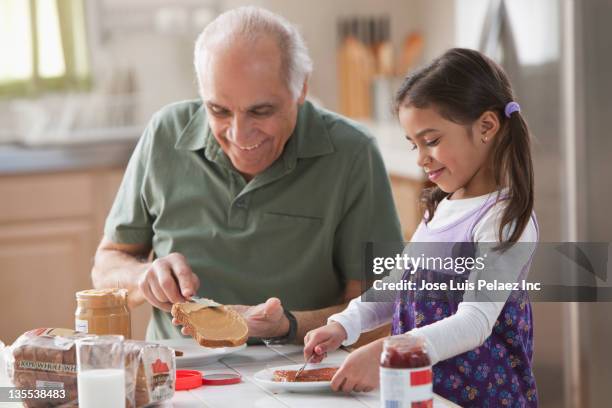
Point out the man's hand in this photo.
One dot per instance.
(322, 340)
(264, 320)
(168, 280)
(360, 370)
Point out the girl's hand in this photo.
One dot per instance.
(322, 340)
(360, 371)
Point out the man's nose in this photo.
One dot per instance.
(239, 130)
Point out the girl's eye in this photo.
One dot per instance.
(433, 142)
(413, 146)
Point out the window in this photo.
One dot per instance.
(42, 46)
(534, 26)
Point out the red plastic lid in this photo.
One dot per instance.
(188, 379)
(221, 378)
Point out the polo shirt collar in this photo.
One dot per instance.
(311, 133)
(194, 135)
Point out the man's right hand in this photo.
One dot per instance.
(322, 340)
(168, 280)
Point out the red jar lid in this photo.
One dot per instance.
(188, 379)
(221, 378)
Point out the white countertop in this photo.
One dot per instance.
(251, 394)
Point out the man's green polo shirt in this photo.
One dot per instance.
(295, 231)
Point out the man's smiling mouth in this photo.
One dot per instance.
(250, 147)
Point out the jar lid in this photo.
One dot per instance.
(190, 379)
(221, 378)
(103, 297)
(187, 380)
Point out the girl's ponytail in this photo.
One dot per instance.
(514, 169)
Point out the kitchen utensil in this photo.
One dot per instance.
(304, 365)
(205, 301)
(411, 50)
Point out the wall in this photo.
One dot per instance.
(124, 37)
(163, 62)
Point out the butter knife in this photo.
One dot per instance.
(304, 366)
(205, 301)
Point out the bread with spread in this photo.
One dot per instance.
(312, 375)
(218, 326)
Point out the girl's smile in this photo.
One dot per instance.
(433, 175)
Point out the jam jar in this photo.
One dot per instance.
(405, 373)
(103, 311)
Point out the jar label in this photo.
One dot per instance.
(406, 387)
(81, 326)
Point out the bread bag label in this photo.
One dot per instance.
(158, 363)
(49, 384)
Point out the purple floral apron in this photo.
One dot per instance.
(496, 374)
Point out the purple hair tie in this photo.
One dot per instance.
(511, 107)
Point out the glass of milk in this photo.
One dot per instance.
(101, 372)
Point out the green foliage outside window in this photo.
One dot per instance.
(43, 47)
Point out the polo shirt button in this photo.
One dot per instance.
(240, 203)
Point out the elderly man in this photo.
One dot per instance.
(249, 196)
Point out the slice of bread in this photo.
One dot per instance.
(212, 326)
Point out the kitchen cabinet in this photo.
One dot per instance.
(406, 193)
(50, 225)
(43, 264)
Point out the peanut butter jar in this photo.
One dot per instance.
(103, 311)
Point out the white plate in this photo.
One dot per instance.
(265, 378)
(195, 355)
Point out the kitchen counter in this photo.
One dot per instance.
(20, 159)
(251, 394)
(399, 159)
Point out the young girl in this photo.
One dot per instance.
(459, 113)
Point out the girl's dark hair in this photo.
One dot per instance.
(461, 85)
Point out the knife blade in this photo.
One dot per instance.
(205, 301)
(297, 374)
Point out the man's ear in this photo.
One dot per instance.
(302, 96)
(487, 126)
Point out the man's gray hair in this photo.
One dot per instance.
(250, 23)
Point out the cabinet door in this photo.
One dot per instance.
(42, 265)
(42, 197)
(406, 193)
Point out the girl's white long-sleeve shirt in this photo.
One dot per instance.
(476, 315)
